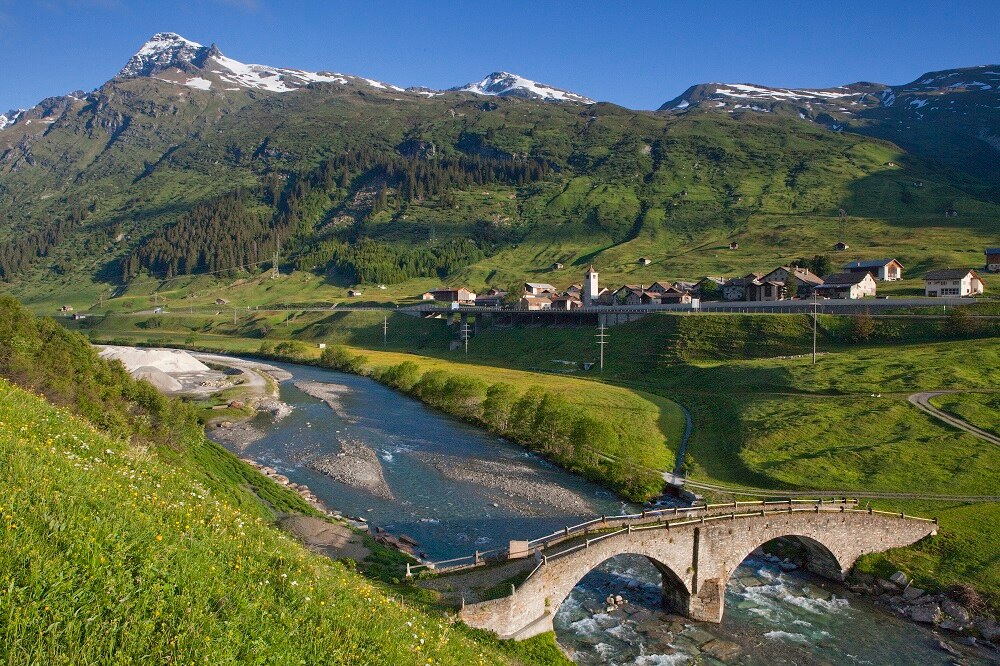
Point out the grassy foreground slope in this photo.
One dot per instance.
(133, 542)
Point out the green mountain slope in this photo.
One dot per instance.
(316, 170)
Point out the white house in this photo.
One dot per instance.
(530, 302)
(953, 282)
(805, 281)
(536, 288)
(848, 285)
(736, 289)
(885, 270)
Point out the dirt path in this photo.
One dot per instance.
(333, 540)
(922, 401)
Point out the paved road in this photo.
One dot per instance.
(922, 401)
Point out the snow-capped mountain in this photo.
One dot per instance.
(10, 117)
(954, 91)
(169, 57)
(504, 84)
(744, 96)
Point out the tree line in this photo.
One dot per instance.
(18, 253)
(377, 262)
(246, 226)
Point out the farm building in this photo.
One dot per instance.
(993, 259)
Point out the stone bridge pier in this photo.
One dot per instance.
(696, 560)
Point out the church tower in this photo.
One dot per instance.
(591, 291)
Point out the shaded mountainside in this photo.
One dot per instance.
(487, 183)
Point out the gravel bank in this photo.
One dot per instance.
(516, 486)
(328, 393)
(237, 436)
(356, 465)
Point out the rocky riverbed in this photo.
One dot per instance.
(356, 465)
(960, 612)
(514, 485)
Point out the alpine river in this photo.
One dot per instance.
(454, 489)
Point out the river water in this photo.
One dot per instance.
(772, 616)
(449, 517)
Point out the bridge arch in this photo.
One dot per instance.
(676, 592)
(819, 557)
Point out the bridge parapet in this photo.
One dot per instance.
(603, 523)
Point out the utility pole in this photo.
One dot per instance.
(465, 336)
(275, 272)
(602, 339)
(234, 315)
(385, 332)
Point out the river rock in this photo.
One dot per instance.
(988, 629)
(912, 593)
(949, 624)
(643, 615)
(699, 636)
(899, 578)
(926, 613)
(722, 650)
(956, 610)
(887, 585)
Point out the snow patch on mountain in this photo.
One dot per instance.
(200, 64)
(9, 118)
(746, 91)
(505, 84)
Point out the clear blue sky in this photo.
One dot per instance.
(638, 54)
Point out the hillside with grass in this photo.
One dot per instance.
(129, 537)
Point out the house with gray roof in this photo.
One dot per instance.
(885, 270)
(953, 282)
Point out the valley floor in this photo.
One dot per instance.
(771, 423)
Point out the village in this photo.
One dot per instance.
(855, 280)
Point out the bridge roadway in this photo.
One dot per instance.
(696, 551)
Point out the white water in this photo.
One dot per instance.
(771, 617)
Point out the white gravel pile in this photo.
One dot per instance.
(170, 361)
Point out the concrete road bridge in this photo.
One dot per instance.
(695, 550)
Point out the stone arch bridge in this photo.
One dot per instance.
(696, 552)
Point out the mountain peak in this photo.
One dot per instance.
(506, 84)
(161, 51)
(172, 58)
